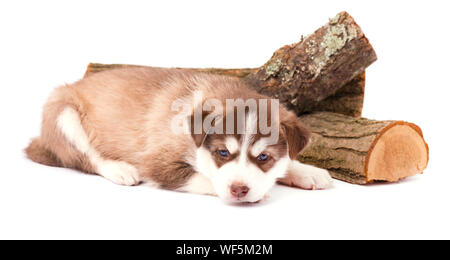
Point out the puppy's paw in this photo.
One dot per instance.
(317, 180)
(121, 173)
(307, 177)
(265, 198)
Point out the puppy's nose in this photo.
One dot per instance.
(238, 190)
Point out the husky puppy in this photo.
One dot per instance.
(177, 129)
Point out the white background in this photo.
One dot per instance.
(44, 44)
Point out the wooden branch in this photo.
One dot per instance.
(359, 150)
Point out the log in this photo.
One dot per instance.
(303, 74)
(361, 151)
(348, 100)
(239, 73)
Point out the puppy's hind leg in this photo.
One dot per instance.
(120, 172)
(306, 177)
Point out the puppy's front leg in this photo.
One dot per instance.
(306, 177)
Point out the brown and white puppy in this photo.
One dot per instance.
(177, 129)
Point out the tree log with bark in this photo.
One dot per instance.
(322, 79)
(360, 150)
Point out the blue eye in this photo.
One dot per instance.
(223, 153)
(262, 157)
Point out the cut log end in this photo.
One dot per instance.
(361, 151)
(399, 151)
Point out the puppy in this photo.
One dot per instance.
(177, 129)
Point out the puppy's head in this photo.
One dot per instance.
(243, 166)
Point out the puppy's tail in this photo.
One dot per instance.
(38, 153)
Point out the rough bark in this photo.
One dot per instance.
(359, 150)
(348, 100)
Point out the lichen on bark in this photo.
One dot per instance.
(335, 19)
(336, 37)
(273, 67)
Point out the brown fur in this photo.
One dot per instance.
(275, 152)
(38, 153)
(296, 134)
(291, 131)
(126, 115)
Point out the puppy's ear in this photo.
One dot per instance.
(296, 134)
(198, 138)
(198, 135)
